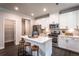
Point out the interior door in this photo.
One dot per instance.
(27, 27)
(9, 30)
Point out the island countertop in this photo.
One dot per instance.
(40, 39)
(44, 43)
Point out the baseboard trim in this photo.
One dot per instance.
(9, 41)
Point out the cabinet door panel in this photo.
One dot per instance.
(71, 19)
(54, 18)
(77, 18)
(62, 42)
(68, 20)
(73, 44)
(62, 21)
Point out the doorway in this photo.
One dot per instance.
(26, 27)
(9, 33)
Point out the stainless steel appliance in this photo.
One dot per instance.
(54, 32)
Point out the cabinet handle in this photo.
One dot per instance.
(66, 41)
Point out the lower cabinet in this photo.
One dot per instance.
(69, 43)
(63, 52)
(58, 52)
(74, 54)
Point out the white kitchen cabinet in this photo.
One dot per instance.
(62, 20)
(44, 22)
(68, 20)
(73, 44)
(62, 42)
(71, 19)
(69, 42)
(77, 18)
(54, 18)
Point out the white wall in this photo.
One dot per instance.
(7, 14)
(31, 25)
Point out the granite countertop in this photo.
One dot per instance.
(74, 36)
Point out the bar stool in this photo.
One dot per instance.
(21, 47)
(35, 48)
(27, 47)
(22, 40)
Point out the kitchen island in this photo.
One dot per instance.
(44, 43)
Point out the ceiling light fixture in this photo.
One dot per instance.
(16, 8)
(32, 14)
(44, 9)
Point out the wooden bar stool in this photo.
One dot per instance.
(35, 48)
(27, 47)
(21, 47)
(22, 41)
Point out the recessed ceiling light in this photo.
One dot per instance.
(16, 8)
(44, 9)
(32, 14)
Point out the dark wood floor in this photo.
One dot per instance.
(57, 51)
(12, 50)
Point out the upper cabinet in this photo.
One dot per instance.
(68, 20)
(63, 20)
(71, 19)
(54, 18)
(77, 18)
(44, 22)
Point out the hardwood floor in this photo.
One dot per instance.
(9, 44)
(12, 50)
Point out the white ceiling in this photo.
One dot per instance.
(37, 8)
